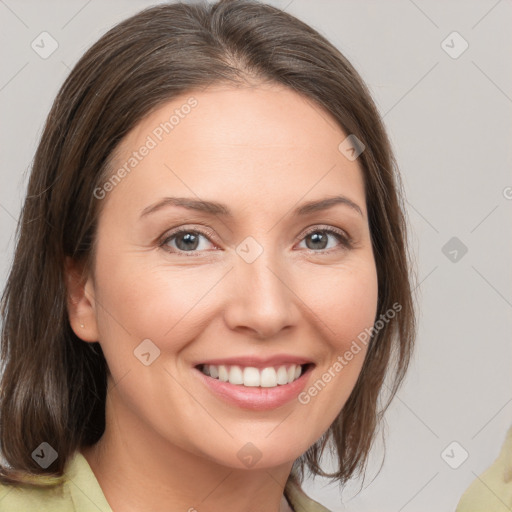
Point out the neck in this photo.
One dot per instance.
(141, 471)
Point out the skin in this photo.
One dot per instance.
(170, 443)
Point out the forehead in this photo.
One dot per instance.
(244, 142)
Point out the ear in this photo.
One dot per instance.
(80, 301)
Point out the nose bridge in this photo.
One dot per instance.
(262, 298)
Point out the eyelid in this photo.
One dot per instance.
(206, 232)
(327, 228)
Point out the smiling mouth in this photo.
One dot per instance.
(249, 376)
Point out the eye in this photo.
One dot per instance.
(319, 238)
(186, 240)
(193, 241)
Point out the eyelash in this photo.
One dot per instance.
(341, 236)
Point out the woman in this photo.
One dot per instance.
(211, 278)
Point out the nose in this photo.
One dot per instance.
(262, 301)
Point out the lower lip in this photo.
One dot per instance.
(256, 398)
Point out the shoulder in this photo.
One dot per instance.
(498, 478)
(78, 492)
(27, 498)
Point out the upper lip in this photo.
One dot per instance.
(257, 362)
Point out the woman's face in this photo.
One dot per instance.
(245, 274)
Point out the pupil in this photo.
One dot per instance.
(317, 238)
(187, 238)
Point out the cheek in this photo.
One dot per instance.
(356, 307)
(352, 318)
(139, 301)
(344, 299)
(346, 304)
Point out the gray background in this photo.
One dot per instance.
(449, 121)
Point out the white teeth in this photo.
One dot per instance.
(223, 373)
(268, 378)
(249, 376)
(235, 375)
(282, 375)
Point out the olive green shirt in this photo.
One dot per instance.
(81, 492)
(492, 490)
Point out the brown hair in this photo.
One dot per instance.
(53, 387)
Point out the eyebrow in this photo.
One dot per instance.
(215, 208)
